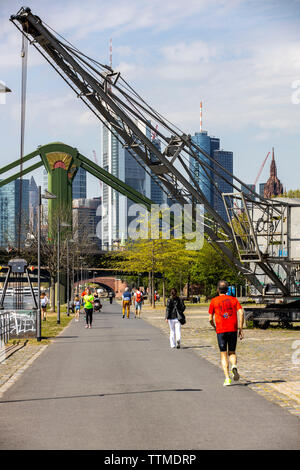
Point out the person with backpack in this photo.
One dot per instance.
(126, 302)
(175, 317)
(138, 300)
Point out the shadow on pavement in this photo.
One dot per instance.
(258, 382)
(103, 395)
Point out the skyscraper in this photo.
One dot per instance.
(245, 190)
(204, 175)
(207, 180)
(79, 184)
(225, 159)
(11, 213)
(33, 205)
(119, 162)
(262, 189)
(157, 194)
(86, 220)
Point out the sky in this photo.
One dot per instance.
(241, 58)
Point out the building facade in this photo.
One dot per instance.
(224, 158)
(86, 215)
(206, 178)
(79, 184)
(14, 212)
(246, 191)
(33, 205)
(204, 175)
(115, 207)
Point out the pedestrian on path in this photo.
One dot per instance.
(110, 296)
(126, 302)
(175, 307)
(44, 303)
(138, 301)
(224, 311)
(88, 308)
(77, 307)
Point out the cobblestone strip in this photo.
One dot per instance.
(264, 356)
(16, 364)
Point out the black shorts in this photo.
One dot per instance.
(227, 341)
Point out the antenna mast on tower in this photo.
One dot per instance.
(200, 116)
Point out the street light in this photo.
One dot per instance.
(46, 195)
(81, 258)
(68, 275)
(59, 225)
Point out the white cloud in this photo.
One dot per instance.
(193, 53)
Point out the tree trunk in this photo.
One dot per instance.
(153, 289)
(52, 295)
(150, 288)
(188, 288)
(164, 291)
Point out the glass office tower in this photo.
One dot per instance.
(119, 162)
(204, 175)
(225, 159)
(10, 210)
(79, 184)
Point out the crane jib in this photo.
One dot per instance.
(127, 115)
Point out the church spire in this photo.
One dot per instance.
(273, 186)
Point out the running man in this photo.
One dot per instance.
(138, 300)
(226, 310)
(126, 302)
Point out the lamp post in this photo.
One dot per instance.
(68, 276)
(59, 225)
(46, 195)
(81, 258)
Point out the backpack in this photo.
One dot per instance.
(138, 297)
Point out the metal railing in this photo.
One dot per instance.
(4, 328)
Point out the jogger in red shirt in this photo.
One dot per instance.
(223, 316)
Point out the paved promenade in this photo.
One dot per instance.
(268, 360)
(120, 386)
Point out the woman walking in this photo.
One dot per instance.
(88, 308)
(175, 307)
(44, 303)
(77, 307)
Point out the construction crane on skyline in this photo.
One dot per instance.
(261, 169)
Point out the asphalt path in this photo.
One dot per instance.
(120, 386)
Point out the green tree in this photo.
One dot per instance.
(209, 267)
